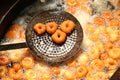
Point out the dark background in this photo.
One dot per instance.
(9, 9)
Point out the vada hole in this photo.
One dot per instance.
(67, 25)
(51, 26)
(3, 59)
(59, 36)
(111, 63)
(40, 27)
(80, 70)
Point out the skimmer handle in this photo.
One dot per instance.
(13, 46)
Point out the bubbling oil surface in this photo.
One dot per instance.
(96, 56)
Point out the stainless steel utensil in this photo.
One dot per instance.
(42, 46)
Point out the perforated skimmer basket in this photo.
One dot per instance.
(43, 47)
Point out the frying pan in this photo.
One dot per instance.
(9, 11)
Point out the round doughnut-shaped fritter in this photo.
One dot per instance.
(17, 66)
(3, 71)
(27, 62)
(15, 75)
(111, 63)
(114, 53)
(59, 37)
(39, 28)
(97, 64)
(51, 27)
(117, 14)
(11, 34)
(67, 26)
(81, 71)
(4, 60)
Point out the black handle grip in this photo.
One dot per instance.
(116, 75)
(13, 46)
